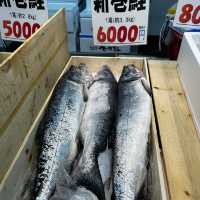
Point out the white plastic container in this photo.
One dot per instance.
(189, 68)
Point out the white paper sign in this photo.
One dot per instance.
(188, 14)
(120, 22)
(19, 19)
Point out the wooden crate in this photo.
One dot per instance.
(19, 173)
(28, 77)
(3, 56)
(178, 135)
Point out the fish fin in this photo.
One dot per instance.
(143, 192)
(89, 81)
(146, 86)
(77, 158)
(79, 144)
(53, 191)
(85, 93)
(90, 179)
(111, 138)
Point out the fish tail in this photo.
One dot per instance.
(90, 178)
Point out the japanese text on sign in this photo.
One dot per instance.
(19, 19)
(188, 14)
(120, 22)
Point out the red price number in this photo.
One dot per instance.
(189, 12)
(18, 30)
(112, 34)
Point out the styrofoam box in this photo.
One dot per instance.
(189, 68)
(86, 25)
(86, 13)
(72, 42)
(71, 14)
(86, 21)
(87, 46)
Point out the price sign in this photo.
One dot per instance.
(120, 22)
(188, 14)
(19, 19)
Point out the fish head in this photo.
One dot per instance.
(130, 73)
(104, 74)
(78, 74)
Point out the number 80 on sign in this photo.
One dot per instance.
(189, 12)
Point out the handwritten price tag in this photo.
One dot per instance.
(188, 14)
(119, 23)
(20, 19)
(17, 29)
(120, 34)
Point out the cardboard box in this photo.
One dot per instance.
(71, 14)
(87, 46)
(189, 68)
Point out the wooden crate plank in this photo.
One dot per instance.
(3, 56)
(19, 72)
(12, 137)
(180, 143)
(14, 177)
(115, 63)
(159, 189)
(156, 179)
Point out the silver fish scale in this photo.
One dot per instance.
(133, 121)
(61, 126)
(95, 128)
(99, 111)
